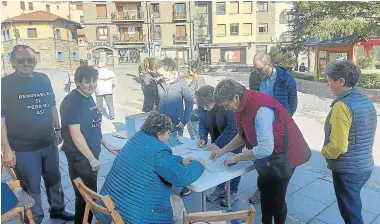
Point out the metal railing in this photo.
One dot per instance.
(180, 15)
(127, 16)
(133, 39)
(180, 38)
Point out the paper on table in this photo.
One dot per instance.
(213, 166)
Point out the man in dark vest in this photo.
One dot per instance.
(349, 135)
(261, 123)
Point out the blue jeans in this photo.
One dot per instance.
(347, 189)
(234, 182)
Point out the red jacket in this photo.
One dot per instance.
(298, 150)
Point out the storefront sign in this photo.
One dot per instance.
(99, 43)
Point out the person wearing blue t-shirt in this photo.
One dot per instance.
(82, 135)
(30, 133)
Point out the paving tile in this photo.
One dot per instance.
(332, 215)
(316, 221)
(291, 220)
(104, 170)
(66, 182)
(100, 182)
(377, 220)
(69, 194)
(245, 197)
(370, 201)
(65, 169)
(303, 208)
(193, 202)
(302, 177)
(291, 189)
(248, 181)
(319, 190)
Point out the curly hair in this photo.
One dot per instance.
(227, 89)
(156, 123)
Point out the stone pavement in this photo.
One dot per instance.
(310, 195)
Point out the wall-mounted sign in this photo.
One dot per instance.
(99, 43)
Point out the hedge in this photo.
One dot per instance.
(366, 81)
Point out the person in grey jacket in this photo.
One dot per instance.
(174, 93)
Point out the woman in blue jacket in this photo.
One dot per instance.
(221, 126)
(141, 178)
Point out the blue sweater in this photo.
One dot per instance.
(140, 180)
(172, 100)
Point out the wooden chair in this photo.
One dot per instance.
(24, 203)
(90, 197)
(218, 217)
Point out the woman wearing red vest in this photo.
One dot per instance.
(260, 122)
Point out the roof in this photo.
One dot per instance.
(336, 40)
(39, 16)
(80, 32)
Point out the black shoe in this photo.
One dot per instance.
(65, 215)
(185, 191)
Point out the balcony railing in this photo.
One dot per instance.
(128, 39)
(128, 16)
(179, 39)
(180, 15)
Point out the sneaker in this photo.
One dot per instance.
(185, 191)
(255, 199)
(233, 198)
(216, 194)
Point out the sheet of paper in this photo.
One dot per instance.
(213, 166)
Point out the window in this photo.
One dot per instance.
(263, 28)
(32, 32)
(220, 8)
(38, 57)
(247, 29)
(180, 32)
(74, 35)
(234, 7)
(9, 58)
(5, 3)
(76, 56)
(101, 11)
(102, 33)
(58, 33)
(221, 30)
(262, 6)
(180, 9)
(81, 20)
(47, 8)
(57, 7)
(155, 9)
(157, 31)
(202, 9)
(61, 57)
(234, 29)
(4, 36)
(247, 7)
(261, 48)
(30, 5)
(22, 5)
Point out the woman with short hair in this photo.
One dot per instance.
(141, 178)
(82, 135)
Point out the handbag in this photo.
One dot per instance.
(277, 165)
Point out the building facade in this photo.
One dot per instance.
(53, 38)
(243, 28)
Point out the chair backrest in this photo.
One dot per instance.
(90, 197)
(218, 217)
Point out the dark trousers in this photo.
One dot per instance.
(109, 100)
(273, 204)
(30, 166)
(80, 167)
(347, 190)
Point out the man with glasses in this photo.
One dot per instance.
(276, 82)
(30, 133)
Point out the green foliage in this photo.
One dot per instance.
(321, 77)
(368, 60)
(302, 76)
(370, 81)
(281, 56)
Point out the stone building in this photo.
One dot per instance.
(53, 38)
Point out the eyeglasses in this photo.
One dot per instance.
(22, 61)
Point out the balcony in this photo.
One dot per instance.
(179, 39)
(128, 16)
(126, 39)
(180, 16)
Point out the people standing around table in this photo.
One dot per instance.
(105, 89)
(148, 78)
(30, 133)
(82, 135)
(349, 135)
(276, 82)
(221, 126)
(141, 178)
(175, 96)
(264, 126)
(195, 81)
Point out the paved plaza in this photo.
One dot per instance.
(310, 195)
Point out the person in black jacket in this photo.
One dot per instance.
(148, 79)
(254, 80)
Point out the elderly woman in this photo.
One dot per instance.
(267, 129)
(82, 135)
(141, 178)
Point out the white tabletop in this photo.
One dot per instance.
(187, 149)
